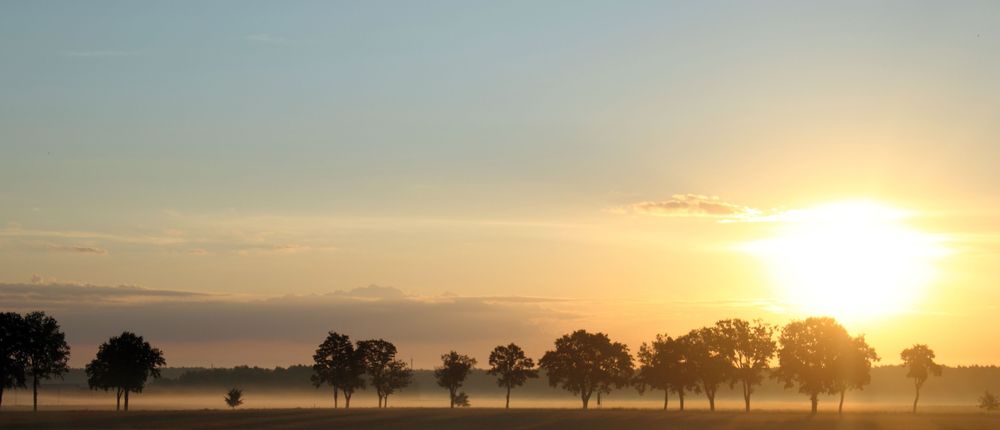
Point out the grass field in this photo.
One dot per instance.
(427, 418)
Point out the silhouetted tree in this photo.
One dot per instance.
(666, 366)
(808, 356)
(386, 374)
(340, 365)
(710, 367)
(920, 360)
(124, 363)
(584, 363)
(234, 398)
(853, 367)
(655, 367)
(462, 400)
(511, 367)
(45, 350)
(12, 345)
(989, 402)
(398, 376)
(454, 369)
(748, 347)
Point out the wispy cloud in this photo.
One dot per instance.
(694, 205)
(78, 249)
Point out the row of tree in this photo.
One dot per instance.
(33, 347)
(816, 355)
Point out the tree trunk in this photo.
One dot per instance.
(599, 399)
(507, 406)
(347, 400)
(335, 399)
(840, 409)
(380, 401)
(711, 400)
(916, 399)
(118, 399)
(746, 396)
(34, 394)
(126, 400)
(814, 398)
(681, 395)
(666, 399)
(1, 397)
(451, 396)
(586, 399)
(385, 403)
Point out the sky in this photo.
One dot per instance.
(233, 179)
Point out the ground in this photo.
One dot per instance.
(427, 418)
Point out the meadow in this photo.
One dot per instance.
(440, 418)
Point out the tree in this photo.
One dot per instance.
(989, 402)
(12, 359)
(748, 348)
(808, 356)
(386, 374)
(462, 400)
(920, 360)
(398, 376)
(853, 367)
(584, 363)
(124, 363)
(340, 365)
(234, 398)
(665, 365)
(45, 350)
(454, 369)
(511, 367)
(708, 364)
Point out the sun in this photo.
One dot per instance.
(852, 260)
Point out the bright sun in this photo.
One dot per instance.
(851, 260)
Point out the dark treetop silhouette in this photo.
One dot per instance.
(339, 364)
(584, 363)
(704, 351)
(820, 357)
(234, 398)
(454, 369)
(511, 367)
(12, 359)
(748, 347)
(385, 372)
(45, 350)
(920, 361)
(124, 363)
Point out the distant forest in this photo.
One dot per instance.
(957, 385)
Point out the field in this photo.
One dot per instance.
(428, 418)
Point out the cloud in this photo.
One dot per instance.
(694, 205)
(78, 249)
(42, 295)
(185, 323)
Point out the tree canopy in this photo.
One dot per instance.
(511, 367)
(385, 372)
(919, 360)
(12, 359)
(454, 369)
(584, 363)
(748, 348)
(339, 364)
(123, 364)
(45, 350)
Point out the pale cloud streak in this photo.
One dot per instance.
(694, 205)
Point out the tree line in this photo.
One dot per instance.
(815, 356)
